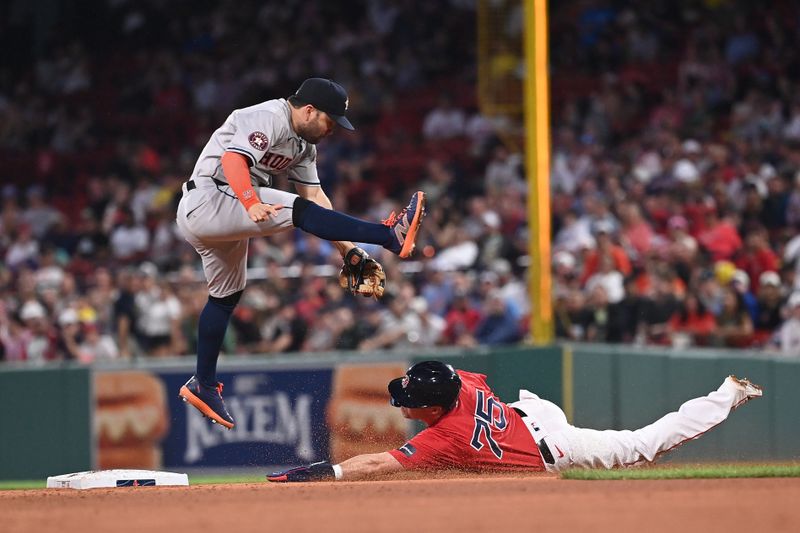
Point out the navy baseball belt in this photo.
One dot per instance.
(544, 449)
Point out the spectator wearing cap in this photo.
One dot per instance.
(769, 300)
(158, 314)
(602, 319)
(603, 234)
(788, 335)
(565, 275)
(740, 281)
(41, 337)
(69, 334)
(492, 241)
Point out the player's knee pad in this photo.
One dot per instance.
(299, 211)
(229, 301)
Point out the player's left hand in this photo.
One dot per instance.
(362, 275)
(322, 471)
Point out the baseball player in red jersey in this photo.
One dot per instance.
(230, 199)
(470, 429)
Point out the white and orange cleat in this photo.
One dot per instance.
(750, 389)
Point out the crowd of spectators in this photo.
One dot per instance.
(675, 177)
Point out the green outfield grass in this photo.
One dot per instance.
(688, 472)
(15, 485)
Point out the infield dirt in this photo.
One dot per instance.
(488, 504)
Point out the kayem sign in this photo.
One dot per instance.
(280, 419)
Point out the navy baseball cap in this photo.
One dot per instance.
(327, 96)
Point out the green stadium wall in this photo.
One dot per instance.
(46, 426)
(48, 412)
(616, 387)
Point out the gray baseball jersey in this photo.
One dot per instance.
(210, 215)
(263, 133)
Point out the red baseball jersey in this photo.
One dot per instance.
(481, 433)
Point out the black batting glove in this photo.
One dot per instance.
(322, 471)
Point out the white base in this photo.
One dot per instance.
(116, 478)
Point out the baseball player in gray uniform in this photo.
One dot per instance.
(229, 199)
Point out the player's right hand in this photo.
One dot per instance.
(322, 471)
(261, 212)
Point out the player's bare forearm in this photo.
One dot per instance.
(369, 465)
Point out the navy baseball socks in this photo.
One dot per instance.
(202, 390)
(398, 233)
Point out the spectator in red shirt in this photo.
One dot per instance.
(636, 231)
(694, 321)
(605, 246)
(720, 238)
(757, 257)
(461, 321)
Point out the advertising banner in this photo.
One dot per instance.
(280, 420)
(283, 417)
(360, 417)
(131, 417)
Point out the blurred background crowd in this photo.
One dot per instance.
(675, 174)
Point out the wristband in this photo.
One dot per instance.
(337, 472)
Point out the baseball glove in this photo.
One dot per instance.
(362, 275)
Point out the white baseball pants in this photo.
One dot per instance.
(574, 447)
